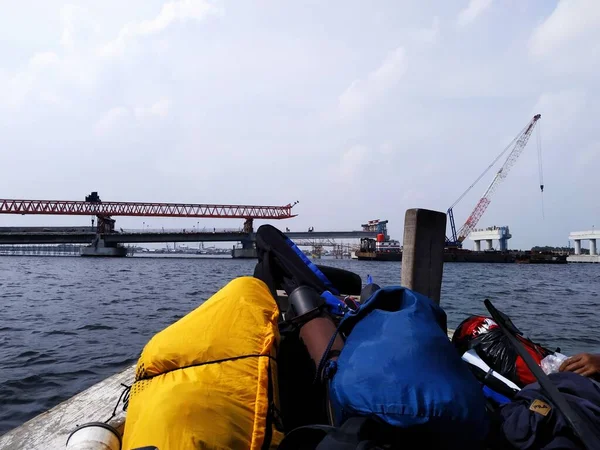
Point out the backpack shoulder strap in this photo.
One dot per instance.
(352, 435)
(304, 438)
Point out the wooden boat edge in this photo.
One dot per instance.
(51, 429)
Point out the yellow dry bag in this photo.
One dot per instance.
(210, 379)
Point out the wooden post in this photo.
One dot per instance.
(423, 252)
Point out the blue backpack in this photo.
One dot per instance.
(398, 366)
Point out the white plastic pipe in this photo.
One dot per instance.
(472, 357)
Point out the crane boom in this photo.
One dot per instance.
(484, 201)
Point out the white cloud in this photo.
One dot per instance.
(414, 197)
(572, 20)
(428, 35)
(80, 28)
(16, 87)
(43, 59)
(472, 11)
(170, 13)
(589, 156)
(52, 99)
(361, 93)
(560, 110)
(119, 115)
(77, 64)
(386, 148)
(351, 162)
(111, 119)
(68, 16)
(160, 109)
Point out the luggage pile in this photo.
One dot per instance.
(301, 356)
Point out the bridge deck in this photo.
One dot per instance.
(84, 235)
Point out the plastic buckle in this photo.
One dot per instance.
(334, 304)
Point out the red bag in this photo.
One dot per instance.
(483, 335)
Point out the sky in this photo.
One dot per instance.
(358, 110)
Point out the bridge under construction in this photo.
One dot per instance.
(106, 240)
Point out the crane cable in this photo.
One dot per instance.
(488, 168)
(540, 165)
(509, 146)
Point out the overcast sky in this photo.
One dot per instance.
(357, 109)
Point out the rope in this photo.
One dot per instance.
(127, 389)
(125, 397)
(540, 162)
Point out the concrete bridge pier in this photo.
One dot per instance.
(501, 234)
(100, 248)
(247, 250)
(577, 237)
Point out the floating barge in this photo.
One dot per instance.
(370, 251)
(450, 255)
(468, 256)
(541, 258)
(379, 250)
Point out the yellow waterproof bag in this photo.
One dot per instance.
(210, 379)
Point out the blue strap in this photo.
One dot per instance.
(334, 304)
(323, 360)
(493, 395)
(312, 267)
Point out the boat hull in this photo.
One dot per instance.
(542, 259)
(468, 256)
(379, 256)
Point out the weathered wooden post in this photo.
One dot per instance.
(423, 252)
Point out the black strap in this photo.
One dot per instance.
(144, 377)
(352, 435)
(273, 414)
(304, 438)
(269, 422)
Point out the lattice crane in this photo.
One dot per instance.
(517, 145)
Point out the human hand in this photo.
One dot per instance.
(585, 364)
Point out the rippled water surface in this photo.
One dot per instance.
(67, 323)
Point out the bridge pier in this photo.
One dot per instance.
(501, 234)
(246, 251)
(591, 236)
(100, 248)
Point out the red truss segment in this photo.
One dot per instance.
(82, 208)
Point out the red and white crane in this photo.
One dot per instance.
(517, 145)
